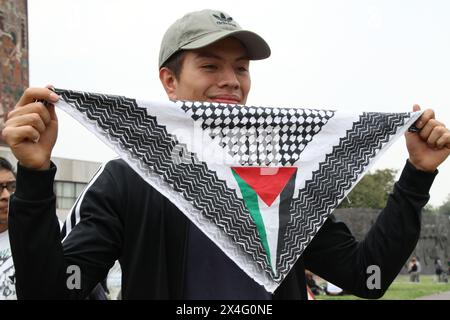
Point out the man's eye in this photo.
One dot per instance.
(209, 67)
(242, 69)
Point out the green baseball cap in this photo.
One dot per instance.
(201, 28)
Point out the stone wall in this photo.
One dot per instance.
(434, 238)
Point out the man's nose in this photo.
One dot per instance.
(5, 194)
(229, 78)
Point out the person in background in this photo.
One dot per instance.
(414, 270)
(438, 269)
(312, 284)
(7, 272)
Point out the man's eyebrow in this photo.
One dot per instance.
(201, 55)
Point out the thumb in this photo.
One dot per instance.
(416, 107)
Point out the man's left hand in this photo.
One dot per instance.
(429, 147)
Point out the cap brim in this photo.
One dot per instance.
(257, 48)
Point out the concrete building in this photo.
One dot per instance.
(71, 178)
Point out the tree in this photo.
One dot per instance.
(430, 209)
(372, 191)
(445, 207)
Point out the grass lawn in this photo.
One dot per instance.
(402, 289)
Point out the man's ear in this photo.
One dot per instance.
(169, 82)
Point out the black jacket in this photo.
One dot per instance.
(122, 217)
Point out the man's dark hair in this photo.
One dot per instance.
(175, 63)
(6, 165)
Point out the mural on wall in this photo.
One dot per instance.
(13, 54)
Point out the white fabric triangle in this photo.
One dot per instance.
(185, 151)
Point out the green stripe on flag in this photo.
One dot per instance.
(251, 201)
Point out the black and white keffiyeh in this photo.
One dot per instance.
(258, 181)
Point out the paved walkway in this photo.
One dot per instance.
(438, 296)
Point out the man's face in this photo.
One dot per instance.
(218, 72)
(6, 178)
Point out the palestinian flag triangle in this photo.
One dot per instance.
(258, 181)
(267, 193)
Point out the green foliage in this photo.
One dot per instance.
(445, 207)
(372, 191)
(430, 209)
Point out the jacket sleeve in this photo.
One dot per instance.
(45, 267)
(336, 256)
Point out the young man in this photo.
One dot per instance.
(204, 56)
(7, 277)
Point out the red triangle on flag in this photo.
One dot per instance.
(267, 182)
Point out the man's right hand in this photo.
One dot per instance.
(31, 128)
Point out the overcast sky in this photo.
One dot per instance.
(353, 55)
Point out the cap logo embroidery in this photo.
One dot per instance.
(222, 19)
